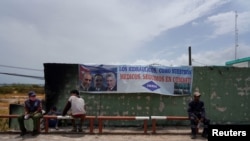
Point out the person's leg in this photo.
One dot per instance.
(21, 125)
(206, 123)
(74, 129)
(82, 118)
(56, 126)
(36, 122)
(77, 122)
(193, 123)
(193, 128)
(53, 123)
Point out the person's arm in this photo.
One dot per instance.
(84, 105)
(66, 108)
(39, 108)
(26, 109)
(58, 113)
(190, 111)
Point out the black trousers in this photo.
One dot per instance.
(194, 123)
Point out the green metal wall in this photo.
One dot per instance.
(225, 91)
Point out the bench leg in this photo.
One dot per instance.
(39, 126)
(145, 126)
(100, 125)
(154, 126)
(46, 125)
(91, 125)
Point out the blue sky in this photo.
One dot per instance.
(139, 32)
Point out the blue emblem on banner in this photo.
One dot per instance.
(151, 86)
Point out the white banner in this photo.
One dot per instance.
(136, 79)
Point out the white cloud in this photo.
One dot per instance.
(106, 32)
(88, 28)
(225, 22)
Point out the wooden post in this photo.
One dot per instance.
(153, 126)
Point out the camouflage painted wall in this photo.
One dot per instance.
(225, 91)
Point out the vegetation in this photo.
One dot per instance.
(4, 121)
(21, 88)
(18, 92)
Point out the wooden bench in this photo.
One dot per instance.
(90, 118)
(102, 118)
(154, 118)
(47, 117)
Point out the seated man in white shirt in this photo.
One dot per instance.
(77, 106)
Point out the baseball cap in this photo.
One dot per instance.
(31, 93)
(197, 94)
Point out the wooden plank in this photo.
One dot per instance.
(101, 118)
(154, 118)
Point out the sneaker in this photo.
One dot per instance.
(193, 136)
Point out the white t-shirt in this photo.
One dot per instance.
(77, 105)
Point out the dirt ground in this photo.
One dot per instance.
(109, 134)
(81, 137)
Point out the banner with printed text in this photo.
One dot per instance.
(136, 79)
